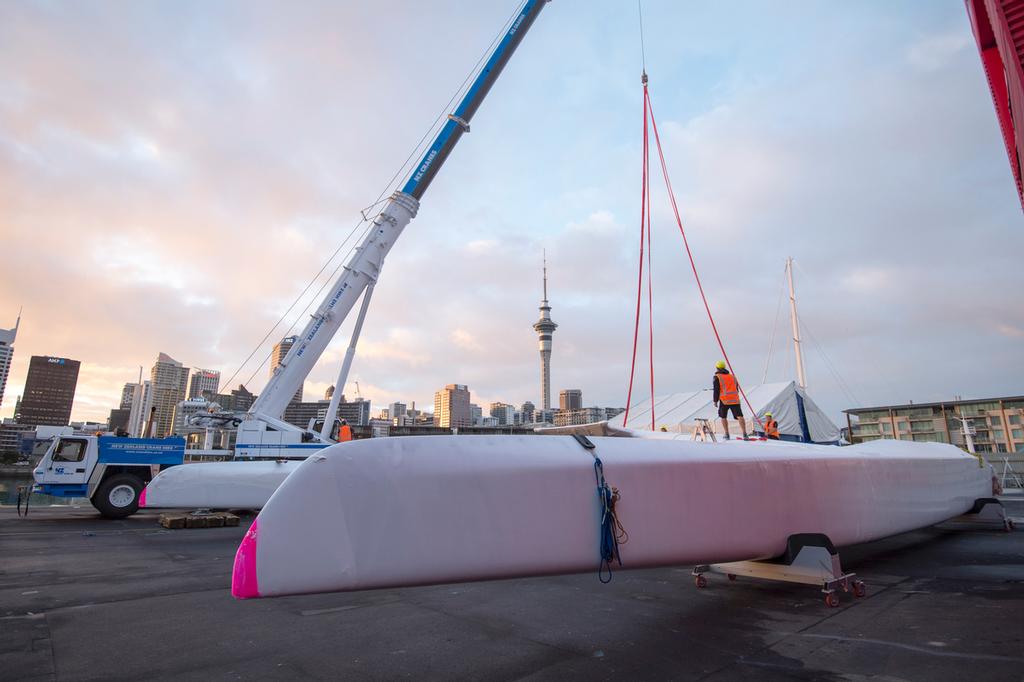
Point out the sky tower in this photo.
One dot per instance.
(545, 328)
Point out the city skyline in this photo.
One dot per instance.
(203, 382)
(864, 179)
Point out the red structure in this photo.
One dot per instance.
(998, 27)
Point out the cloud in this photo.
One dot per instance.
(936, 51)
(465, 340)
(1010, 331)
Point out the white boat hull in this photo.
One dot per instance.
(423, 510)
(216, 485)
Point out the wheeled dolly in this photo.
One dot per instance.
(810, 559)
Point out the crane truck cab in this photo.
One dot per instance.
(110, 471)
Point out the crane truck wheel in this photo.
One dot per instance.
(118, 496)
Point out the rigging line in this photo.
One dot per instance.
(380, 197)
(883, 377)
(460, 91)
(775, 326)
(840, 379)
(315, 297)
(643, 52)
(292, 306)
(693, 264)
(844, 386)
(640, 276)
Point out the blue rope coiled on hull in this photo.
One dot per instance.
(612, 532)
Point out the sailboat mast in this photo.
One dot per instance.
(801, 378)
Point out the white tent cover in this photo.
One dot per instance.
(680, 411)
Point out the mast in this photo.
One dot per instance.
(801, 378)
(363, 269)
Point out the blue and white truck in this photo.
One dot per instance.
(110, 471)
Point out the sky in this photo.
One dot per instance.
(173, 175)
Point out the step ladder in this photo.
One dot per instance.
(703, 431)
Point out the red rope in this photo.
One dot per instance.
(686, 243)
(644, 192)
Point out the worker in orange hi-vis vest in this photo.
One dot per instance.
(344, 432)
(771, 427)
(727, 398)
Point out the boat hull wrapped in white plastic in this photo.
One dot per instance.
(422, 510)
(216, 485)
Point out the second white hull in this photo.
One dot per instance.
(216, 485)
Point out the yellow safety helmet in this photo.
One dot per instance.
(768, 414)
(720, 364)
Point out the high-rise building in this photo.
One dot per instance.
(504, 413)
(7, 354)
(277, 357)
(398, 415)
(476, 413)
(127, 396)
(570, 399)
(118, 420)
(545, 329)
(239, 400)
(141, 393)
(168, 379)
(451, 407)
(585, 415)
(528, 412)
(356, 413)
(203, 380)
(49, 391)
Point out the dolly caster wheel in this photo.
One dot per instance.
(700, 581)
(859, 589)
(1009, 525)
(731, 576)
(832, 600)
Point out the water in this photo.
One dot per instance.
(9, 493)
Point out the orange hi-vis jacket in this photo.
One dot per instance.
(771, 428)
(729, 390)
(345, 433)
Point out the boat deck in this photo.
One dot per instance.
(84, 598)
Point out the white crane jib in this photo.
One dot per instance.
(363, 269)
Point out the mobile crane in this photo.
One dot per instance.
(262, 431)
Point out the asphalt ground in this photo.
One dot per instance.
(83, 598)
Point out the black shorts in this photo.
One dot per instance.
(723, 410)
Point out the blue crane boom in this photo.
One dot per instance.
(458, 121)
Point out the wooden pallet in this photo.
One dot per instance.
(178, 520)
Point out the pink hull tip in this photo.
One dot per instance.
(244, 584)
(142, 498)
